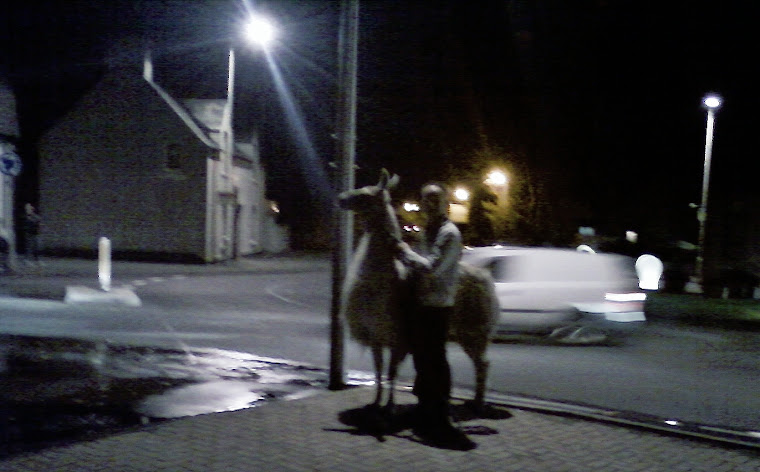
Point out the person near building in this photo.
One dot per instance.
(5, 250)
(31, 230)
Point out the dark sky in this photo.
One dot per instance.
(602, 95)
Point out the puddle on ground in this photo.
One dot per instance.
(56, 390)
(197, 399)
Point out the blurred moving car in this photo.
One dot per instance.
(572, 296)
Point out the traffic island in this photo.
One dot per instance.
(118, 296)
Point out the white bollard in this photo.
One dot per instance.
(104, 263)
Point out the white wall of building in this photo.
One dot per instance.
(8, 129)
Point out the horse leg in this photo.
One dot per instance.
(481, 380)
(481, 364)
(397, 356)
(377, 356)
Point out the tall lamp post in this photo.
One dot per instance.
(712, 103)
(260, 32)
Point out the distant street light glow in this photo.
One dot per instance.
(409, 206)
(260, 31)
(712, 101)
(497, 180)
(496, 177)
(462, 194)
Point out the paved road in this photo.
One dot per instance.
(168, 319)
(677, 372)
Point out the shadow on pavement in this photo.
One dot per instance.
(378, 422)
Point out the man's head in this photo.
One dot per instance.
(434, 200)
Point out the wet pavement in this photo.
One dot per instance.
(71, 405)
(58, 390)
(330, 431)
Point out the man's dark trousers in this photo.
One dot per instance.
(428, 333)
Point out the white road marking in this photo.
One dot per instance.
(271, 291)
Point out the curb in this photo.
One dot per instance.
(720, 434)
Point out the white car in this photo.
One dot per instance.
(574, 296)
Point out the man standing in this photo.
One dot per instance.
(435, 269)
(31, 229)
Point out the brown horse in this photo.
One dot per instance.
(376, 295)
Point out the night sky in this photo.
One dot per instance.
(603, 97)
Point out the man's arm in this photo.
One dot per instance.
(444, 253)
(409, 257)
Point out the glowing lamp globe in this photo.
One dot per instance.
(649, 269)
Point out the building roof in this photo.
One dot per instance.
(209, 112)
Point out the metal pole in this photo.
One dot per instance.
(346, 130)
(702, 212)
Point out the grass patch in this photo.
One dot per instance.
(697, 309)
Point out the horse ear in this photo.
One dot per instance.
(384, 176)
(393, 181)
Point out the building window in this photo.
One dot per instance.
(173, 157)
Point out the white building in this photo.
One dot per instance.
(10, 166)
(160, 177)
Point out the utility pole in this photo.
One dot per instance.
(344, 225)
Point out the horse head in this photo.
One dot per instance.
(372, 203)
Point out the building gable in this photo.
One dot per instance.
(105, 171)
(154, 174)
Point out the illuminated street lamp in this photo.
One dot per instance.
(712, 103)
(260, 31)
(461, 194)
(497, 180)
(459, 211)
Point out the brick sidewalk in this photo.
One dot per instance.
(307, 435)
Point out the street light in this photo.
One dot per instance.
(711, 102)
(498, 180)
(459, 210)
(259, 30)
(461, 194)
